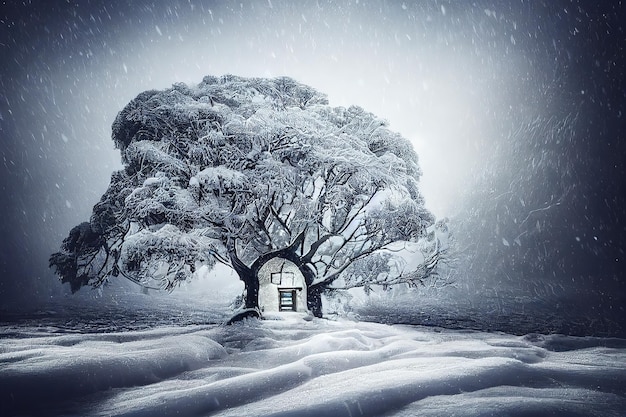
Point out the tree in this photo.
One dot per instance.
(240, 171)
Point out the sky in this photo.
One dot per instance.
(455, 78)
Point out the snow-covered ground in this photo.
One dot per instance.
(290, 365)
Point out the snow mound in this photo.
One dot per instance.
(297, 367)
(58, 368)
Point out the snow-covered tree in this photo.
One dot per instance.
(241, 171)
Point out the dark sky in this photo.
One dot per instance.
(455, 78)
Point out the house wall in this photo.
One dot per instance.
(291, 278)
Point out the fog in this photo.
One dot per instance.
(456, 79)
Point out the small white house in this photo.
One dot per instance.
(281, 287)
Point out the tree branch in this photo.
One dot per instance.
(315, 246)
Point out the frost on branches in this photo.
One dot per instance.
(241, 171)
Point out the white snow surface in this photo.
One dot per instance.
(292, 365)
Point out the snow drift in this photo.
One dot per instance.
(293, 367)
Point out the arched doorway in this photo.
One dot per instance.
(281, 287)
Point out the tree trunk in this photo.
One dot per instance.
(249, 279)
(314, 300)
(251, 286)
(313, 292)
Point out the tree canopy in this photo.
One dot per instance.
(239, 171)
